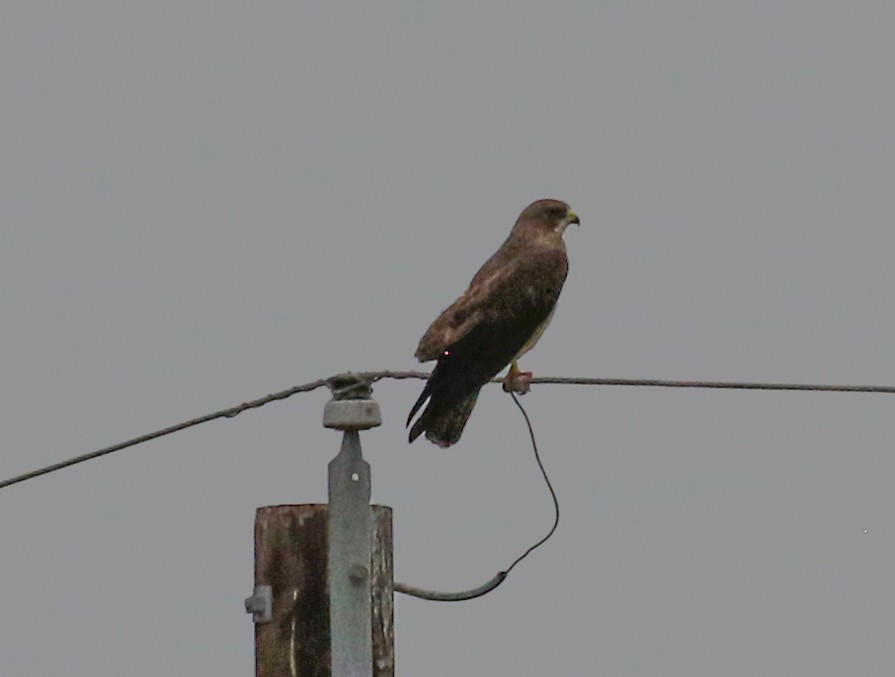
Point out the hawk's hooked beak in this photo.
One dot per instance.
(572, 217)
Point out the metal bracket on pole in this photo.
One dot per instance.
(260, 604)
(349, 526)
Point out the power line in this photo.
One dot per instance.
(373, 376)
(727, 385)
(223, 413)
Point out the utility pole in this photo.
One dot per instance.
(323, 601)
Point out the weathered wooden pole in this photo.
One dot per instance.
(323, 600)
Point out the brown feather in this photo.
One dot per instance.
(443, 422)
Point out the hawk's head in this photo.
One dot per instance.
(547, 215)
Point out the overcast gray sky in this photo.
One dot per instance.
(203, 202)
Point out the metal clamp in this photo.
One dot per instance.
(260, 604)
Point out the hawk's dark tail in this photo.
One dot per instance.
(442, 420)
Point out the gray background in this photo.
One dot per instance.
(203, 202)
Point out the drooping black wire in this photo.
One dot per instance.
(547, 481)
(502, 575)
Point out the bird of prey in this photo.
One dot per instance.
(499, 317)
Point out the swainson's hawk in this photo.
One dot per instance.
(501, 316)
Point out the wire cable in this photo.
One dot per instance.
(550, 488)
(501, 576)
(223, 413)
(373, 376)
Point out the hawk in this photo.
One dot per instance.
(499, 318)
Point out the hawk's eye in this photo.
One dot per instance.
(447, 352)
